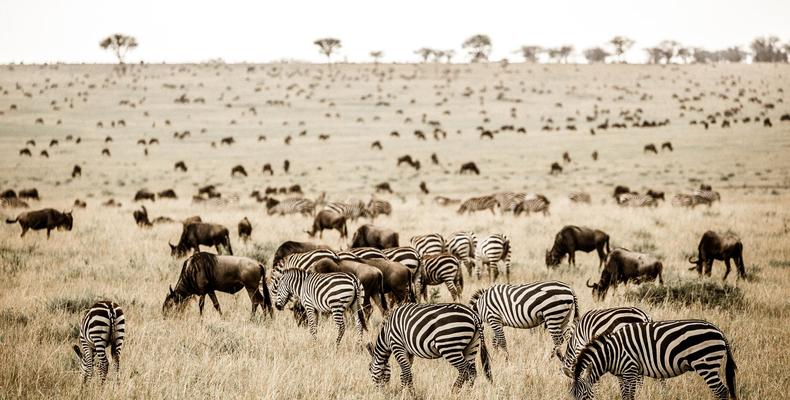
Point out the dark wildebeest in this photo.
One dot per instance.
(46, 218)
(667, 146)
(239, 169)
(267, 168)
(144, 194)
(370, 277)
(703, 186)
(623, 266)
(141, 217)
(286, 166)
(295, 189)
(328, 219)
(469, 167)
(374, 145)
(77, 171)
(556, 168)
(656, 195)
(25, 152)
(712, 247)
(29, 194)
(8, 194)
(383, 187)
(620, 189)
(573, 238)
(191, 220)
(397, 279)
(206, 273)
(245, 229)
(424, 188)
(207, 190)
(434, 159)
(566, 157)
(105, 152)
(372, 236)
(44, 153)
(405, 159)
(180, 166)
(198, 233)
(227, 140)
(80, 203)
(651, 148)
(290, 247)
(167, 194)
(595, 155)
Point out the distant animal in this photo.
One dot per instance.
(489, 252)
(286, 166)
(53, 142)
(228, 140)
(667, 146)
(167, 194)
(469, 168)
(296, 205)
(76, 171)
(13, 202)
(376, 145)
(487, 134)
(619, 189)
(29, 194)
(636, 200)
(105, 152)
(205, 273)
(623, 266)
(80, 203)
(201, 233)
(383, 187)
(424, 188)
(419, 329)
(595, 155)
(434, 159)
(8, 194)
(556, 168)
(767, 123)
(538, 203)
(328, 219)
(377, 207)
(144, 194)
(44, 154)
(650, 148)
(566, 157)
(245, 229)
(713, 246)
(475, 204)
(656, 195)
(351, 209)
(103, 326)
(141, 217)
(180, 166)
(25, 152)
(373, 236)
(573, 238)
(267, 168)
(580, 197)
(46, 218)
(239, 169)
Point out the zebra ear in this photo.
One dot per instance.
(367, 346)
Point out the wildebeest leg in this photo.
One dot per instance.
(214, 300)
(740, 266)
(24, 231)
(726, 271)
(256, 298)
(227, 244)
(48, 232)
(708, 267)
(601, 255)
(201, 303)
(572, 257)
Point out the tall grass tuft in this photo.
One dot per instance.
(704, 293)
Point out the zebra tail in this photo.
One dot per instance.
(730, 373)
(484, 357)
(412, 293)
(77, 350)
(576, 312)
(267, 299)
(358, 302)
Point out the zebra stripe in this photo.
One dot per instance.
(333, 292)
(462, 245)
(683, 200)
(706, 197)
(352, 209)
(293, 206)
(450, 331)
(580, 197)
(438, 269)
(659, 350)
(427, 245)
(596, 323)
(636, 200)
(303, 261)
(537, 204)
(366, 253)
(509, 200)
(103, 325)
(492, 250)
(551, 303)
(478, 204)
(407, 256)
(379, 207)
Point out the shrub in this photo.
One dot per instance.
(704, 293)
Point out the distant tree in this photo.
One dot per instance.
(596, 55)
(448, 55)
(424, 53)
(327, 46)
(530, 53)
(768, 49)
(733, 54)
(119, 44)
(479, 47)
(669, 49)
(654, 55)
(565, 52)
(702, 56)
(621, 44)
(684, 53)
(438, 55)
(554, 54)
(376, 55)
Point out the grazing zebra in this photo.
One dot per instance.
(636, 200)
(378, 207)
(365, 253)
(438, 269)
(427, 245)
(551, 304)
(352, 209)
(103, 325)
(462, 245)
(706, 197)
(450, 331)
(580, 197)
(509, 200)
(292, 206)
(661, 350)
(683, 200)
(407, 256)
(492, 250)
(333, 292)
(539, 203)
(478, 204)
(595, 323)
(303, 261)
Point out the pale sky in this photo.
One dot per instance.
(35, 31)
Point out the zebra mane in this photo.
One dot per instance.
(581, 363)
(476, 296)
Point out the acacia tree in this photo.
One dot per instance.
(530, 53)
(565, 52)
(119, 44)
(425, 53)
(327, 46)
(479, 47)
(376, 55)
(654, 55)
(669, 49)
(448, 55)
(768, 49)
(621, 44)
(596, 55)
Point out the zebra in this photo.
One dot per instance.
(378, 207)
(478, 204)
(352, 209)
(427, 245)
(438, 269)
(450, 331)
(462, 245)
(332, 292)
(303, 261)
(539, 203)
(509, 200)
(493, 249)
(593, 324)
(408, 257)
(636, 200)
(706, 197)
(664, 349)
(549, 303)
(683, 200)
(365, 253)
(103, 325)
(293, 206)
(580, 197)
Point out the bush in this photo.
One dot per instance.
(704, 293)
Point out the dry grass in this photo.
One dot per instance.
(45, 283)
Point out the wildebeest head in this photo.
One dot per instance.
(66, 222)
(177, 250)
(174, 301)
(552, 259)
(599, 289)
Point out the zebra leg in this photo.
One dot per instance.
(711, 376)
(404, 361)
(507, 268)
(457, 360)
(311, 321)
(453, 290)
(340, 321)
(499, 334)
(116, 360)
(628, 383)
(213, 297)
(87, 363)
(101, 354)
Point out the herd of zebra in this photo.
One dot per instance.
(623, 341)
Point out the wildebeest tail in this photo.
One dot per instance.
(412, 293)
(227, 242)
(383, 297)
(360, 295)
(11, 221)
(267, 299)
(607, 245)
(484, 357)
(730, 373)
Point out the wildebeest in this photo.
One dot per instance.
(620, 189)
(206, 273)
(144, 194)
(651, 148)
(29, 194)
(180, 166)
(383, 187)
(713, 246)
(245, 229)
(656, 195)
(623, 266)
(286, 166)
(328, 219)
(372, 236)
(141, 217)
(80, 203)
(424, 188)
(470, 168)
(291, 247)
(25, 152)
(574, 238)
(44, 154)
(375, 145)
(8, 194)
(167, 194)
(191, 220)
(77, 171)
(227, 140)
(105, 152)
(197, 233)
(370, 277)
(46, 218)
(239, 169)
(397, 279)
(566, 157)
(556, 168)
(267, 168)
(667, 146)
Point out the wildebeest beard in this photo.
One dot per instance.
(199, 267)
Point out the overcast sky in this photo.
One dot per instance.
(192, 30)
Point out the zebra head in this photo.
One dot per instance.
(379, 366)
(582, 389)
(282, 286)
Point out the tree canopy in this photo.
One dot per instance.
(119, 44)
(479, 47)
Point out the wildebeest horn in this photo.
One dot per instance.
(588, 284)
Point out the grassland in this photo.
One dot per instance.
(45, 283)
